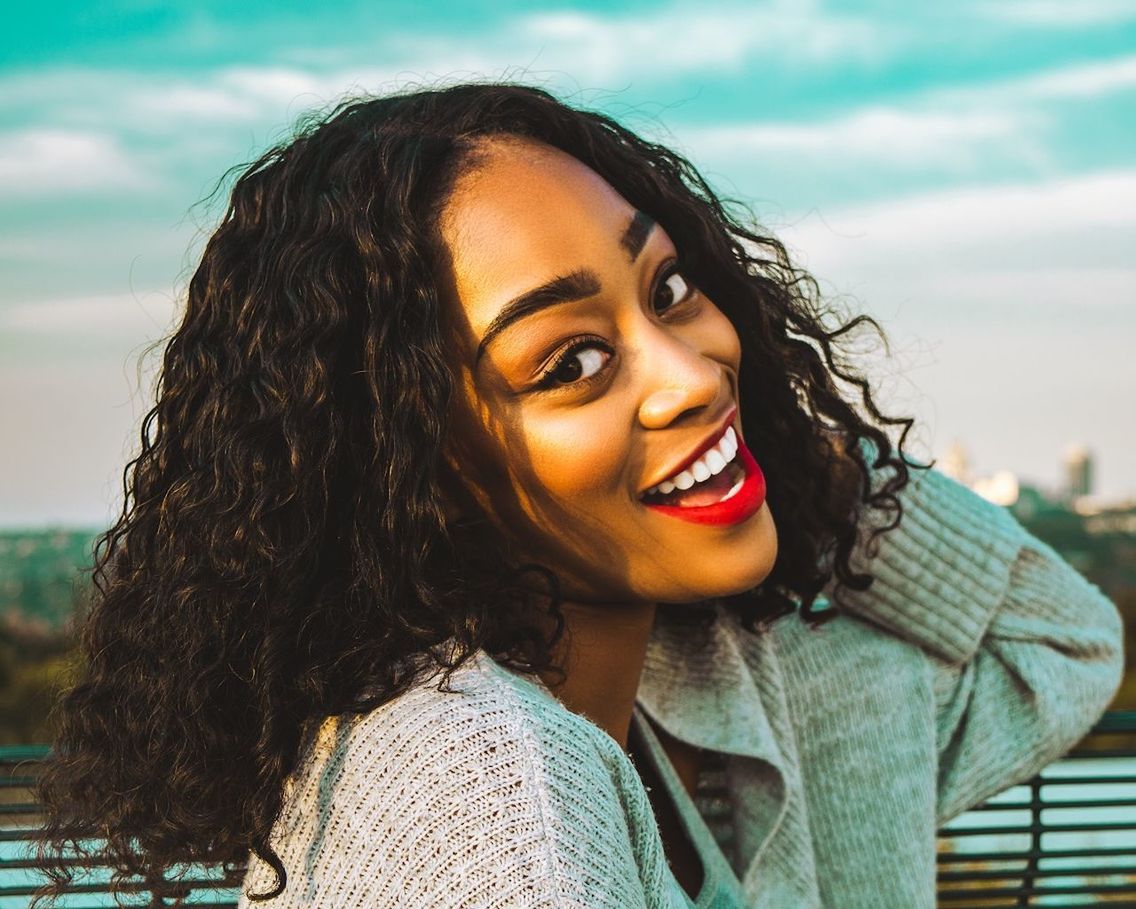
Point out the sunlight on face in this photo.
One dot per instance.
(592, 372)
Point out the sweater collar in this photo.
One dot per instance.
(720, 687)
(696, 685)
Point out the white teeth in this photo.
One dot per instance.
(733, 490)
(711, 463)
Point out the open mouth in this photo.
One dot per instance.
(715, 476)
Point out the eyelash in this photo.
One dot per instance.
(547, 380)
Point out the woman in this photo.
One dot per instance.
(450, 577)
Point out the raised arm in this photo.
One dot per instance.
(1027, 654)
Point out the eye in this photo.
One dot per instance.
(582, 361)
(672, 289)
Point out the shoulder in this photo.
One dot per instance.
(485, 726)
(483, 712)
(448, 788)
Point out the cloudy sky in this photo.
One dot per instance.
(965, 172)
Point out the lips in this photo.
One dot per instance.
(727, 448)
(720, 483)
(743, 503)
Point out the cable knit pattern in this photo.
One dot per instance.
(954, 551)
(976, 657)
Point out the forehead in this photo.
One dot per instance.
(523, 214)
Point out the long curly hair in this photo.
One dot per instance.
(283, 552)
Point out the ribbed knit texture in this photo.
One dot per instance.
(494, 795)
(977, 657)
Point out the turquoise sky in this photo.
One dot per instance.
(966, 172)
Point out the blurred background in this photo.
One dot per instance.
(965, 173)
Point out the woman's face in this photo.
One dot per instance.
(594, 377)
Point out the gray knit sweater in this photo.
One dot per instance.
(976, 657)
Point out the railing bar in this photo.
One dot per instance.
(1072, 803)
(945, 858)
(1086, 871)
(144, 903)
(18, 834)
(18, 754)
(992, 892)
(212, 904)
(1026, 889)
(1095, 904)
(1095, 779)
(33, 865)
(1038, 828)
(105, 887)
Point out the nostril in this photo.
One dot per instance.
(662, 408)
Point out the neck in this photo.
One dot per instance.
(602, 654)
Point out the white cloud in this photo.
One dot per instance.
(570, 49)
(50, 161)
(1059, 13)
(956, 129)
(1010, 310)
(686, 38)
(128, 317)
(884, 134)
(1084, 221)
(1079, 81)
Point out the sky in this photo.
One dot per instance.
(963, 172)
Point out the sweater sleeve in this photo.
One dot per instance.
(471, 799)
(1025, 654)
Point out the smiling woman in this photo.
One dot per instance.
(450, 577)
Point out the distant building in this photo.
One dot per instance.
(1078, 471)
(1002, 488)
(955, 463)
(1030, 503)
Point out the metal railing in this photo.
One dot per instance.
(21, 876)
(1066, 838)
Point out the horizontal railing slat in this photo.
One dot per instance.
(947, 858)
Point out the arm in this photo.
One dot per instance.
(1025, 653)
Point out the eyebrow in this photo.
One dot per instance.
(635, 237)
(576, 285)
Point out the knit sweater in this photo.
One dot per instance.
(975, 658)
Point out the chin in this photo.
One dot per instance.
(732, 567)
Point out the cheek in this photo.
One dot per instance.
(576, 457)
(722, 341)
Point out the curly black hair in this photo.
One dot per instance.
(283, 552)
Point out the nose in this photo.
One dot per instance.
(683, 381)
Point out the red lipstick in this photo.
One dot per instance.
(743, 504)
